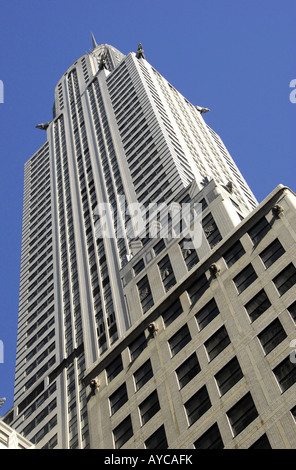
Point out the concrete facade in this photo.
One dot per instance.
(273, 422)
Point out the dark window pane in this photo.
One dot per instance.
(211, 230)
(118, 398)
(189, 369)
(285, 279)
(216, 343)
(259, 230)
(293, 411)
(189, 254)
(262, 443)
(179, 340)
(149, 407)
(272, 253)
(166, 273)
(139, 267)
(145, 294)
(257, 305)
(228, 376)
(143, 374)
(211, 439)
(123, 432)
(245, 278)
(197, 289)
(272, 335)
(242, 414)
(172, 313)
(159, 246)
(292, 310)
(207, 314)
(158, 440)
(137, 346)
(114, 368)
(285, 373)
(234, 253)
(197, 405)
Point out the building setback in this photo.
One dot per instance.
(122, 137)
(211, 364)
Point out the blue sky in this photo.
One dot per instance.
(236, 57)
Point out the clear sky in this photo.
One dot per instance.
(236, 57)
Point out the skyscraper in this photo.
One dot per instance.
(121, 135)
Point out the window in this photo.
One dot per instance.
(197, 289)
(189, 369)
(118, 399)
(166, 273)
(179, 340)
(272, 253)
(189, 254)
(293, 411)
(271, 336)
(158, 440)
(216, 343)
(285, 374)
(149, 407)
(211, 439)
(145, 294)
(242, 414)
(197, 405)
(292, 311)
(259, 230)
(285, 279)
(234, 253)
(212, 233)
(245, 278)
(228, 376)
(159, 247)
(257, 305)
(114, 368)
(207, 314)
(137, 346)
(139, 267)
(172, 313)
(261, 443)
(143, 374)
(123, 432)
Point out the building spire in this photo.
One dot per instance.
(93, 41)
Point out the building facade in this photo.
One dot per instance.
(211, 365)
(10, 439)
(122, 139)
